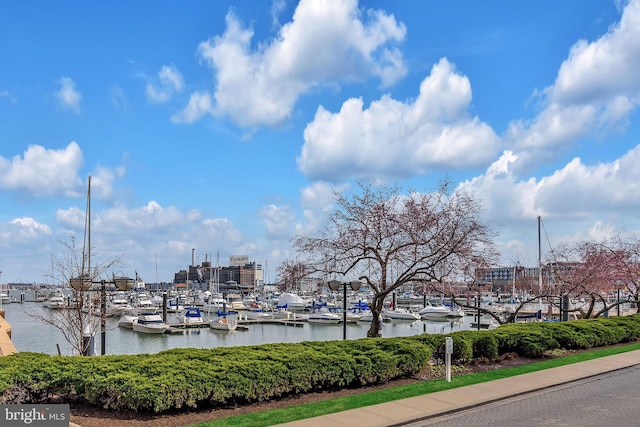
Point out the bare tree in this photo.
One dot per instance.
(594, 271)
(74, 271)
(290, 273)
(387, 239)
(81, 317)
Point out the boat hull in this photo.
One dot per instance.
(324, 320)
(150, 324)
(149, 329)
(223, 325)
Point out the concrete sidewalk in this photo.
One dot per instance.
(419, 407)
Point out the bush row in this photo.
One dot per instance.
(190, 378)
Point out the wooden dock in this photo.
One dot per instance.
(243, 324)
(285, 322)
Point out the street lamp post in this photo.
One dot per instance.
(334, 285)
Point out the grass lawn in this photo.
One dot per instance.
(284, 415)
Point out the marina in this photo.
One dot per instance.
(187, 327)
(31, 334)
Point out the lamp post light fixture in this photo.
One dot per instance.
(334, 285)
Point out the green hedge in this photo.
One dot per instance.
(190, 378)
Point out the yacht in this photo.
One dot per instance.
(190, 316)
(127, 319)
(400, 314)
(56, 300)
(434, 311)
(324, 316)
(150, 323)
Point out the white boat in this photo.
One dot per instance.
(174, 306)
(400, 314)
(434, 311)
(40, 296)
(214, 302)
(367, 316)
(118, 304)
(292, 302)
(56, 300)
(257, 315)
(223, 324)
(190, 316)
(353, 317)
(150, 323)
(324, 317)
(5, 298)
(157, 300)
(456, 312)
(143, 301)
(127, 319)
(234, 302)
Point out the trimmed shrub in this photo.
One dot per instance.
(189, 378)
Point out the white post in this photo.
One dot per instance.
(448, 350)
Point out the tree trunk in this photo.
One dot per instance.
(376, 310)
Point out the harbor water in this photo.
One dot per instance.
(31, 334)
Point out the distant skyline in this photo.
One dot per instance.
(225, 126)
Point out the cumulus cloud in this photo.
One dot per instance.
(44, 172)
(595, 90)
(432, 132)
(279, 221)
(24, 243)
(150, 231)
(68, 97)
(574, 197)
(199, 104)
(170, 82)
(29, 228)
(615, 183)
(317, 201)
(102, 179)
(325, 43)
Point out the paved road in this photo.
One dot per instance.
(609, 399)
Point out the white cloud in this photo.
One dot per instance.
(432, 132)
(68, 97)
(140, 234)
(25, 247)
(603, 69)
(595, 90)
(102, 179)
(199, 105)
(575, 197)
(279, 221)
(44, 172)
(30, 228)
(601, 231)
(317, 201)
(574, 192)
(325, 43)
(171, 81)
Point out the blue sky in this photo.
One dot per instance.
(225, 126)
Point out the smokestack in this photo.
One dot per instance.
(193, 256)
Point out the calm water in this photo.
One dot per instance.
(31, 334)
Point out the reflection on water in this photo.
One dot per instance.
(31, 334)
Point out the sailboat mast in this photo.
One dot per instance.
(88, 230)
(540, 264)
